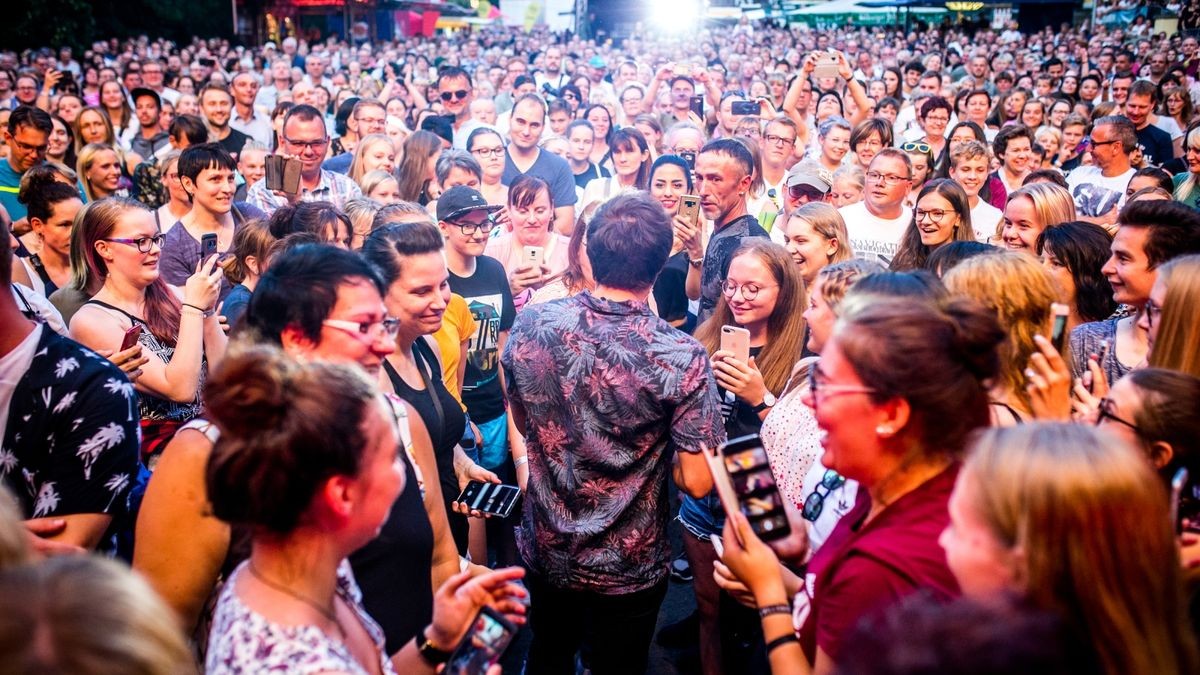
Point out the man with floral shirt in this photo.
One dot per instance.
(68, 429)
(608, 396)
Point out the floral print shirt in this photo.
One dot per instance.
(71, 442)
(609, 391)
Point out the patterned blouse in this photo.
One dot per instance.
(244, 641)
(609, 391)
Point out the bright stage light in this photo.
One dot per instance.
(675, 16)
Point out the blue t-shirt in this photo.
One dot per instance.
(10, 183)
(550, 168)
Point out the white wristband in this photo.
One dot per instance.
(521, 461)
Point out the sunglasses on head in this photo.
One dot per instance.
(450, 95)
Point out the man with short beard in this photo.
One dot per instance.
(216, 103)
(150, 137)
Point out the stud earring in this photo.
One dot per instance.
(883, 430)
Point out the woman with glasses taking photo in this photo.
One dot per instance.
(763, 295)
(880, 392)
(119, 243)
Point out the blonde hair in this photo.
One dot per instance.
(1088, 518)
(360, 151)
(1183, 192)
(1052, 203)
(373, 179)
(785, 327)
(1178, 326)
(361, 212)
(87, 157)
(89, 616)
(836, 279)
(827, 222)
(1020, 291)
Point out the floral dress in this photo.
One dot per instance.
(244, 641)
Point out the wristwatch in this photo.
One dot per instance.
(696, 262)
(768, 401)
(431, 654)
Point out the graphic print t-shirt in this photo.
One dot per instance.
(491, 304)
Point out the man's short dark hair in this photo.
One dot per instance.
(452, 73)
(1051, 62)
(29, 116)
(1007, 133)
(732, 149)
(914, 66)
(1122, 128)
(1144, 88)
(522, 80)
(1122, 75)
(302, 112)
(531, 97)
(300, 289)
(441, 126)
(197, 158)
(629, 240)
(1172, 228)
(681, 78)
(190, 127)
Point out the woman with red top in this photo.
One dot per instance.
(888, 378)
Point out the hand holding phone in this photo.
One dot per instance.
(744, 482)
(531, 256)
(482, 646)
(131, 337)
(736, 340)
(208, 249)
(689, 209)
(493, 498)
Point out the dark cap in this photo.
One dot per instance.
(461, 199)
(143, 91)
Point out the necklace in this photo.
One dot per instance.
(327, 613)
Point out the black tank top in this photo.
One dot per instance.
(445, 422)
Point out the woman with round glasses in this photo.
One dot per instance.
(942, 215)
(487, 147)
(763, 294)
(887, 376)
(178, 327)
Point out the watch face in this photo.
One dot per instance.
(769, 399)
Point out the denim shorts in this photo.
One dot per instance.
(702, 517)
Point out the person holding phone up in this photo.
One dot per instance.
(754, 337)
(531, 251)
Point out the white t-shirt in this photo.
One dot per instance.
(872, 237)
(1169, 125)
(985, 218)
(13, 366)
(1096, 194)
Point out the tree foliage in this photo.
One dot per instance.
(39, 23)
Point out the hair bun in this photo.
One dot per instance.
(977, 334)
(249, 391)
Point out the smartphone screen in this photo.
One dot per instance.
(482, 646)
(698, 106)
(1058, 334)
(754, 486)
(745, 107)
(494, 498)
(689, 158)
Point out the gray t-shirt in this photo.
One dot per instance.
(1087, 338)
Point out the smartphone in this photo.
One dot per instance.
(1100, 356)
(291, 175)
(494, 498)
(737, 340)
(208, 248)
(754, 487)
(1058, 335)
(689, 158)
(698, 106)
(131, 336)
(689, 208)
(746, 107)
(532, 255)
(482, 646)
(826, 66)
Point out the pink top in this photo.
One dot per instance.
(508, 251)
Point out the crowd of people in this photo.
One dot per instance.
(273, 308)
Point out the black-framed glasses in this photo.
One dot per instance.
(311, 145)
(1105, 412)
(1096, 143)
(917, 146)
(934, 215)
(142, 244)
(489, 152)
(749, 291)
(779, 140)
(889, 179)
(459, 94)
(815, 502)
(25, 147)
(469, 229)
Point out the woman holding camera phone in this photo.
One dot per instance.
(531, 251)
(670, 181)
(763, 301)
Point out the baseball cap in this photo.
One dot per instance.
(139, 92)
(460, 200)
(802, 174)
(597, 62)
